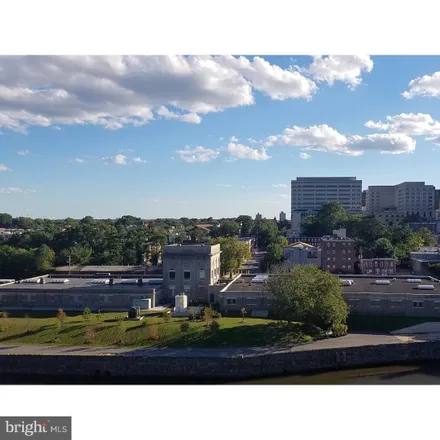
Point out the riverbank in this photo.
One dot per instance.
(212, 365)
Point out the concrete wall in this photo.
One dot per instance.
(283, 362)
(75, 300)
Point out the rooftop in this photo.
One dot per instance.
(362, 284)
(99, 269)
(56, 284)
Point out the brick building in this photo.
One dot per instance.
(338, 253)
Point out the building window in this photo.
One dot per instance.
(375, 303)
(202, 274)
(417, 304)
(231, 301)
(172, 274)
(186, 274)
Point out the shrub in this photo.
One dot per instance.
(184, 327)
(99, 316)
(86, 314)
(214, 326)
(339, 330)
(197, 317)
(209, 314)
(6, 323)
(90, 335)
(166, 315)
(153, 332)
(216, 315)
(61, 317)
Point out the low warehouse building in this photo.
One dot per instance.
(51, 293)
(365, 296)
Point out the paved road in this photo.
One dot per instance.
(351, 340)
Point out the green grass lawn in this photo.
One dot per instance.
(43, 329)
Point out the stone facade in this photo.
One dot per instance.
(192, 269)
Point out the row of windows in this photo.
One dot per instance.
(393, 303)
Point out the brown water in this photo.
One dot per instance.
(420, 374)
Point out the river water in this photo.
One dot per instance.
(420, 374)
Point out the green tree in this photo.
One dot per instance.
(79, 255)
(229, 228)
(426, 235)
(247, 224)
(307, 294)
(233, 254)
(384, 248)
(265, 232)
(331, 216)
(6, 220)
(44, 259)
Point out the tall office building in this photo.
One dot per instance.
(283, 216)
(308, 194)
(395, 202)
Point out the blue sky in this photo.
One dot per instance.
(208, 136)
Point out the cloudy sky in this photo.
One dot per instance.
(208, 136)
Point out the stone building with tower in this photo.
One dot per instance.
(191, 269)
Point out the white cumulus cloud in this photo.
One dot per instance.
(233, 139)
(304, 156)
(327, 139)
(119, 159)
(197, 154)
(117, 91)
(165, 113)
(270, 79)
(344, 68)
(4, 167)
(427, 85)
(139, 160)
(79, 160)
(23, 152)
(239, 151)
(411, 124)
(16, 191)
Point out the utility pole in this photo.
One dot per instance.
(69, 263)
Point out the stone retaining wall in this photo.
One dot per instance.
(217, 368)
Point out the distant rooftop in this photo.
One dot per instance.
(99, 269)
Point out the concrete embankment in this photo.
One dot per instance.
(258, 364)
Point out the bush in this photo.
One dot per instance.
(216, 315)
(6, 323)
(144, 322)
(197, 317)
(166, 315)
(214, 326)
(184, 327)
(153, 332)
(99, 316)
(90, 335)
(339, 330)
(61, 317)
(86, 314)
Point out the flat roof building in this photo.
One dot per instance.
(308, 194)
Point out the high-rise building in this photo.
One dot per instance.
(308, 194)
(364, 198)
(395, 202)
(258, 217)
(282, 216)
